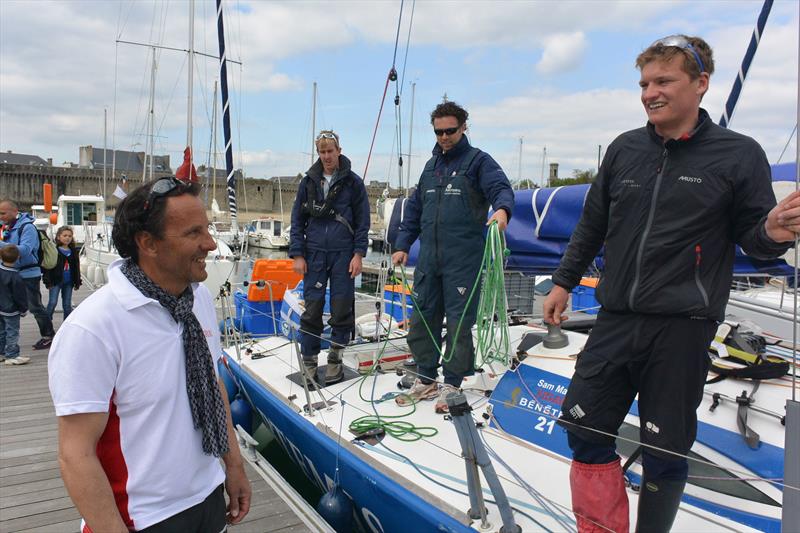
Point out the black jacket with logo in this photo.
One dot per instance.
(669, 214)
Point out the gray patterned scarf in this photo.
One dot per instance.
(205, 398)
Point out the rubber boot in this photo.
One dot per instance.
(334, 372)
(658, 504)
(599, 500)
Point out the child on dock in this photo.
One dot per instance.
(13, 305)
(66, 275)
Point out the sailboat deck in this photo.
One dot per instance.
(32, 495)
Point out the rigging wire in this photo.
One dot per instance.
(408, 45)
(789, 140)
(392, 76)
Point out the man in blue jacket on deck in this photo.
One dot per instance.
(18, 229)
(448, 213)
(330, 222)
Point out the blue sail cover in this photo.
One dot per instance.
(543, 222)
(784, 172)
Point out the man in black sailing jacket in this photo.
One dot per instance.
(448, 213)
(669, 203)
(330, 222)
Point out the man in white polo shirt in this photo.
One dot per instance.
(143, 419)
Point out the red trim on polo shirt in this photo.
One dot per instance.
(109, 452)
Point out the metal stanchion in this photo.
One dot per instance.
(474, 456)
(303, 377)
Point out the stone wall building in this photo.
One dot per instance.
(24, 184)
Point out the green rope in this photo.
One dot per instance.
(492, 314)
(492, 345)
(492, 330)
(389, 424)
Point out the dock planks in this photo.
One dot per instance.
(32, 495)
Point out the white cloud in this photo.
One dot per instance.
(562, 52)
(56, 78)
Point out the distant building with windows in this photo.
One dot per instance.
(130, 163)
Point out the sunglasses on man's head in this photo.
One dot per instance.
(328, 135)
(679, 41)
(161, 188)
(448, 131)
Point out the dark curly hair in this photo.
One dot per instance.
(138, 212)
(450, 109)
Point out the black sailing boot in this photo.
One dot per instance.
(658, 504)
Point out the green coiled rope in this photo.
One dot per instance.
(492, 339)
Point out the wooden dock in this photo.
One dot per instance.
(32, 495)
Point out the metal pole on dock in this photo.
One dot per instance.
(790, 513)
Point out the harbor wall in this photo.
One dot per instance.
(23, 184)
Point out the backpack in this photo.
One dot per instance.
(47, 252)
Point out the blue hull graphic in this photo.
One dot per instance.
(382, 505)
(512, 397)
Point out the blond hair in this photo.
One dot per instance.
(326, 136)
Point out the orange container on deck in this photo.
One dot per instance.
(275, 275)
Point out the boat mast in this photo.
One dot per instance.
(214, 147)
(410, 134)
(105, 149)
(313, 123)
(191, 85)
(226, 118)
(519, 168)
(544, 158)
(148, 147)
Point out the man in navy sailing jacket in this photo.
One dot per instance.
(330, 222)
(670, 202)
(448, 213)
(18, 229)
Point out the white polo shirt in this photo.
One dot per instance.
(122, 353)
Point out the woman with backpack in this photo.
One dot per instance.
(66, 275)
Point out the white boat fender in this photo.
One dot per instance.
(98, 276)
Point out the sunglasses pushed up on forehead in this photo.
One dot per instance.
(328, 134)
(679, 41)
(163, 187)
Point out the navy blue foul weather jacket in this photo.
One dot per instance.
(485, 178)
(328, 234)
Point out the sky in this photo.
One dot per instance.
(559, 75)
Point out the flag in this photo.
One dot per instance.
(186, 171)
(119, 193)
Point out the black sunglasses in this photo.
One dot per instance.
(162, 187)
(448, 131)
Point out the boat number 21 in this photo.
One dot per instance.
(545, 425)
